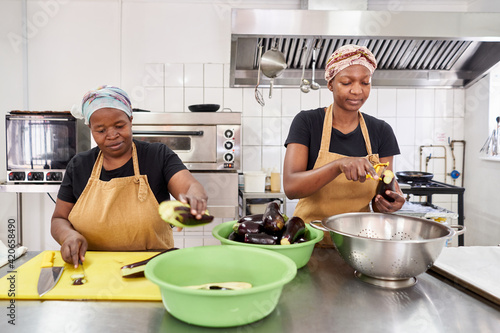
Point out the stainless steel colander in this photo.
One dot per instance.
(385, 249)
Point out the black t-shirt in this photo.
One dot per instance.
(156, 160)
(307, 129)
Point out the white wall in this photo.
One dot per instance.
(482, 181)
(171, 54)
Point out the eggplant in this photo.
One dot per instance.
(294, 228)
(235, 237)
(179, 214)
(272, 220)
(136, 269)
(253, 218)
(261, 238)
(301, 239)
(248, 227)
(386, 182)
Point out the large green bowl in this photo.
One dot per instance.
(300, 253)
(268, 272)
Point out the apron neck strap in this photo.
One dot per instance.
(327, 131)
(96, 171)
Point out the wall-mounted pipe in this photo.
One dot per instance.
(428, 158)
(452, 146)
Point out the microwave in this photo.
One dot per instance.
(39, 145)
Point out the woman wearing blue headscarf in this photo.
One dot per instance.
(109, 197)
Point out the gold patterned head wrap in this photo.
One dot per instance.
(346, 56)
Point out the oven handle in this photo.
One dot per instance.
(194, 133)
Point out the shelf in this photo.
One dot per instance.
(490, 158)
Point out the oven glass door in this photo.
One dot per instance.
(193, 144)
(37, 143)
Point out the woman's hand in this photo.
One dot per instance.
(73, 248)
(198, 203)
(185, 188)
(381, 205)
(356, 168)
(73, 244)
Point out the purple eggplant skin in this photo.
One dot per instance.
(387, 182)
(301, 239)
(272, 220)
(294, 228)
(254, 218)
(190, 219)
(261, 238)
(248, 227)
(143, 264)
(235, 237)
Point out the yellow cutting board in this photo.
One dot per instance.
(102, 271)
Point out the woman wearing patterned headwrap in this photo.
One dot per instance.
(330, 151)
(108, 199)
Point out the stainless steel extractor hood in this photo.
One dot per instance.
(413, 49)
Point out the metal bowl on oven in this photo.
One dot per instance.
(384, 249)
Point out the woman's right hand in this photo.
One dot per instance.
(356, 168)
(73, 248)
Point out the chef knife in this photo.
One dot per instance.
(49, 275)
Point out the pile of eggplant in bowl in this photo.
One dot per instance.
(273, 231)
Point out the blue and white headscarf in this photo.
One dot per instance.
(102, 97)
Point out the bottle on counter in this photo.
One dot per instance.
(268, 179)
(275, 180)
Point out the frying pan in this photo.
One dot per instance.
(204, 107)
(414, 176)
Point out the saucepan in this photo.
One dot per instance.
(272, 64)
(387, 250)
(414, 176)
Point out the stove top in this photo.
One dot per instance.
(429, 187)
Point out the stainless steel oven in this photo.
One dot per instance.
(39, 145)
(208, 143)
(203, 141)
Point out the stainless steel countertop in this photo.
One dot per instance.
(325, 296)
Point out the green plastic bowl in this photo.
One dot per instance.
(268, 272)
(300, 253)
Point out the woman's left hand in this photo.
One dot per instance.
(384, 206)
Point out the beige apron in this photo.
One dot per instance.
(120, 214)
(340, 195)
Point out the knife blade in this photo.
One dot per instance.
(49, 275)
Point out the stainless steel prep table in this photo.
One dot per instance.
(19, 189)
(324, 297)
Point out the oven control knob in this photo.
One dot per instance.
(35, 176)
(228, 145)
(54, 176)
(228, 157)
(229, 133)
(17, 176)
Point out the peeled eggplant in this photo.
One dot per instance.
(179, 214)
(387, 181)
(294, 228)
(272, 220)
(261, 238)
